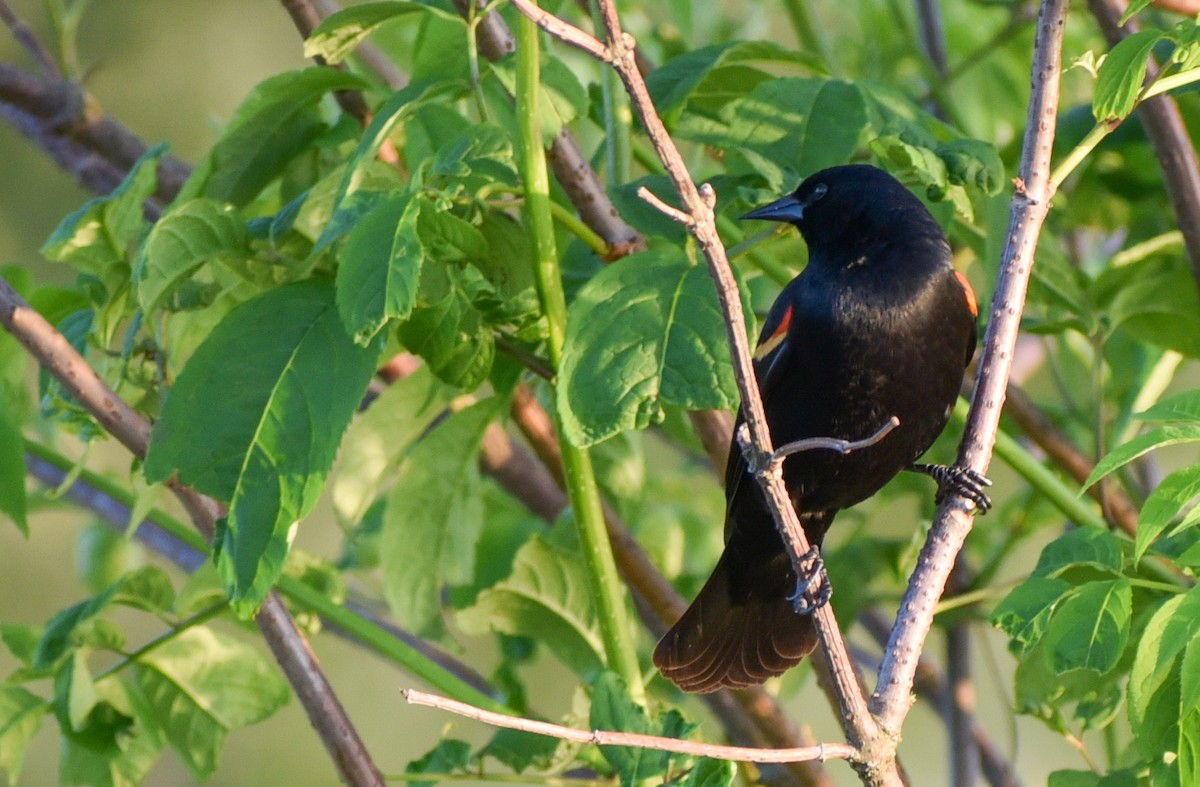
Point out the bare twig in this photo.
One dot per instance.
(40, 54)
(1030, 203)
(65, 364)
(820, 752)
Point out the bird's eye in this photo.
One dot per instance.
(817, 192)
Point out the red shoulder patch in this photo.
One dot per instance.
(972, 304)
(776, 338)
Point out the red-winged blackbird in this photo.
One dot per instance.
(879, 324)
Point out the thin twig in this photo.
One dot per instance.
(1030, 203)
(25, 36)
(56, 355)
(820, 752)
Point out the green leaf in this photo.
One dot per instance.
(1120, 77)
(973, 162)
(1025, 611)
(280, 119)
(116, 745)
(1090, 629)
(644, 332)
(449, 756)
(520, 750)
(447, 238)
(381, 267)
(402, 103)
(1155, 677)
(1133, 9)
(562, 98)
(380, 438)
(341, 32)
(21, 715)
(1160, 307)
(546, 598)
(672, 84)
(710, 773)
(1163, 504)
(180, 242)
(1181, 407)
(201, 684)
(612, 709)
(256, 417)
(448, 331)
(433, 518)
(61, 633)
(12, 474)
(97, 238)
(1083, 546)
(1141, 445)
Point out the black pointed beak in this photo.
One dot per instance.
(786, 208)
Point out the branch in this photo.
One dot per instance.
(56, 355)
(55, 112)
(698, 203)
(820, 752)
(1030, 203)
(30, 42)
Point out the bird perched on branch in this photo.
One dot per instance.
(879, 325)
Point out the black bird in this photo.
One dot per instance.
(879, 324)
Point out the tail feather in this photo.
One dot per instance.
(733, 637)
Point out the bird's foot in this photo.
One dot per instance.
(812, 586)
(959, 480)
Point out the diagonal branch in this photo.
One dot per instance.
(291, 650)
(1030, 204)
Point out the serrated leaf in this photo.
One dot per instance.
(12, 474)
(1163, 504)
(1090, 629)
(1025, 611)
(1083, 546)
(21, 714)
(1181, 407)
(180, 242)
(1141, 445)
(1155, 677)
(433, 518)
(256, 417)
(147, 588)
(381, 267)
(401, 103)
(710, 773)
(643, 333)
(379, 439)
(1120, 77)
(449, 332)
(561, 99)
(973, 162)
(520, 750)
(449, 756)
(341, 32)
(547, 599)
(673, 83)
(58, 637)
(277, 121)
(612, 709)
(447, 238)
(201, 684)
(96, 239)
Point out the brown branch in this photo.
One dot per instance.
(1168, 136)
(58, 112)
(1030, 204)
(714, 428)
(40, 54)
(55, 354)
(820, 752)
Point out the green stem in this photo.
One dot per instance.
(773, 268)
(573, 224)
(811, 35)
(618, 119)
(165, 637)
(373, 635)
(577, 464)
(1080, 152)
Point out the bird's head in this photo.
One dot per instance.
(848, 212)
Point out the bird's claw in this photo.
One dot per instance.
(813, 590)
(962, 481)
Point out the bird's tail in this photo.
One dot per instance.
(733, 636)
